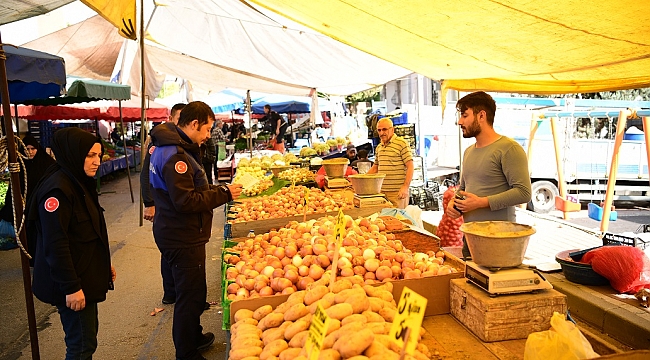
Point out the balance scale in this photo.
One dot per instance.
(335, 183)
(369, 200)
(506, 281)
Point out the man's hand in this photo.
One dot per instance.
(113, 273)
(235, 190)
(76, 301)
(403, 192)
(149, 212)
(451, 211)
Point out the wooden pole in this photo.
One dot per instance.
(611, 181)
(534, 125)
(143, 113)
(126, 153)
(18, 209)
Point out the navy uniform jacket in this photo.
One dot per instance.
(184, 199)
(72, 250)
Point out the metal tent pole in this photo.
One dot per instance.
(126, 153)
(18, 209)
(143, 114)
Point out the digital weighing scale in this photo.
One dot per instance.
(333, 183)
(369, 200)
(506, 281)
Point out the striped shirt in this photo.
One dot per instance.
(391, 160)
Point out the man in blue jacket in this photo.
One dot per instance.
(183, 220)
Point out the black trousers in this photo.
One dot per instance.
(188, 271)
(169, 291)
(80, 328)
(208, 171)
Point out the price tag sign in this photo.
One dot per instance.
(317, 331)
(247, 180)
(410, 312)
(339, 229)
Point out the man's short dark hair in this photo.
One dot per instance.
(196, 110)
(267, 106)
(363, 154)
(478, 101)
(177, 107)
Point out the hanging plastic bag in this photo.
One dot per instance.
(563, 341)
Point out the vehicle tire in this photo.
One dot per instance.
(543, 197)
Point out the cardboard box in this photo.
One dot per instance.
(504, 317)
(435, 289)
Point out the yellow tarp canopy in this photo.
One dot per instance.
(524, 46)
(120, 13)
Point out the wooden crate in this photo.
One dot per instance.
(504, 317)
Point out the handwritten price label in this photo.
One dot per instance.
(339, 229)
(410, 312)
(317, 331)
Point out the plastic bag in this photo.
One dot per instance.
(400, 214)
(563, 341)
(448, 228)
(627, 268)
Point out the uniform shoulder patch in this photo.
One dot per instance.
(181, 167)
(51, 204)
(151, 149)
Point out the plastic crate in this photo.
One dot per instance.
(227, 231)
(615, 239)
(644, 228)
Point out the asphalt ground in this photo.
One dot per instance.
(127, 330)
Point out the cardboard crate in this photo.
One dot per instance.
(435, 289)
(505, 317)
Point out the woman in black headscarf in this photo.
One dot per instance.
(72, 266)
(35, 165)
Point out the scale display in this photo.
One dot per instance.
(506, 281)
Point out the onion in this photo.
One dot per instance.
(239, 266)
(303, 270)
(306, 250)
(259, 266)
(396, 270)
(383, 272)
(315, 272)
(420, 266)
(444, 270)
(369, 275)
(369, 254)
(359, 270)
(290, 267)
(379, 249)
(323, 261)
(291, 275)
(411, 274)
(408, 263)
(385, 263)
(268, 271)
(289, 290)
(387, 255)
(279, 253)
(420, 257)
(232, 288)
(304, 282)
(242, 292)
(276, 264)
(283, 284)
(278, 273)
(371, 264)
(259, 285)
(358, 261)
(233, 259)
(290, 251)
(344, 262)
(231, 273)
(296, 260)
(266, 291)
(347, 271)
(440, 254)
(239, 280)
(249, 284)
(308, 260)
(319, 249)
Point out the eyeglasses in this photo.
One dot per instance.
(384, 129)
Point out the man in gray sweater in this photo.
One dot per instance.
(494, 176)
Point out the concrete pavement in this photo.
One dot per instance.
(126, 330)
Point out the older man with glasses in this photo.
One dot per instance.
(393, 158)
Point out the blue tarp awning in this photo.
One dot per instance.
(33, 74)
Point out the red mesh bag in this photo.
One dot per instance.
(627, 268)
(449, 229)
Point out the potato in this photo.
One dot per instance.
(373, 317)
(388, 286)
(334, 325)
(388, 342)
(339, 311)
(375, 348)
(389, 355)
(282, 308)
(315, 294)
(241, 326)
(330, 339)
(355, 318)
(356, 280)
(248, 335)
(388, 314)
(246, 342)
(378, 328)
(298, 296)
(253, 358)
(306, 318)
(271, 320)
(274, 348)
(419, 356)
(345, 294)
(240, 354)
(247, 321)
(355, 343)
(329, 354)
(390, 304)
(359, 302)
(243, 314)
(295, 328)
(376, 304)
(325, 304)
(247, 329)
(290, 353)
(358, 357)
(423, 349)
(273, 334)
(371, 290)
(341, 285)
(296, 312)
(386, 295)
(262, 311)
(329, 297)
(298, 340)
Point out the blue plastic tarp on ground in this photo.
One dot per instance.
(33, 74)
